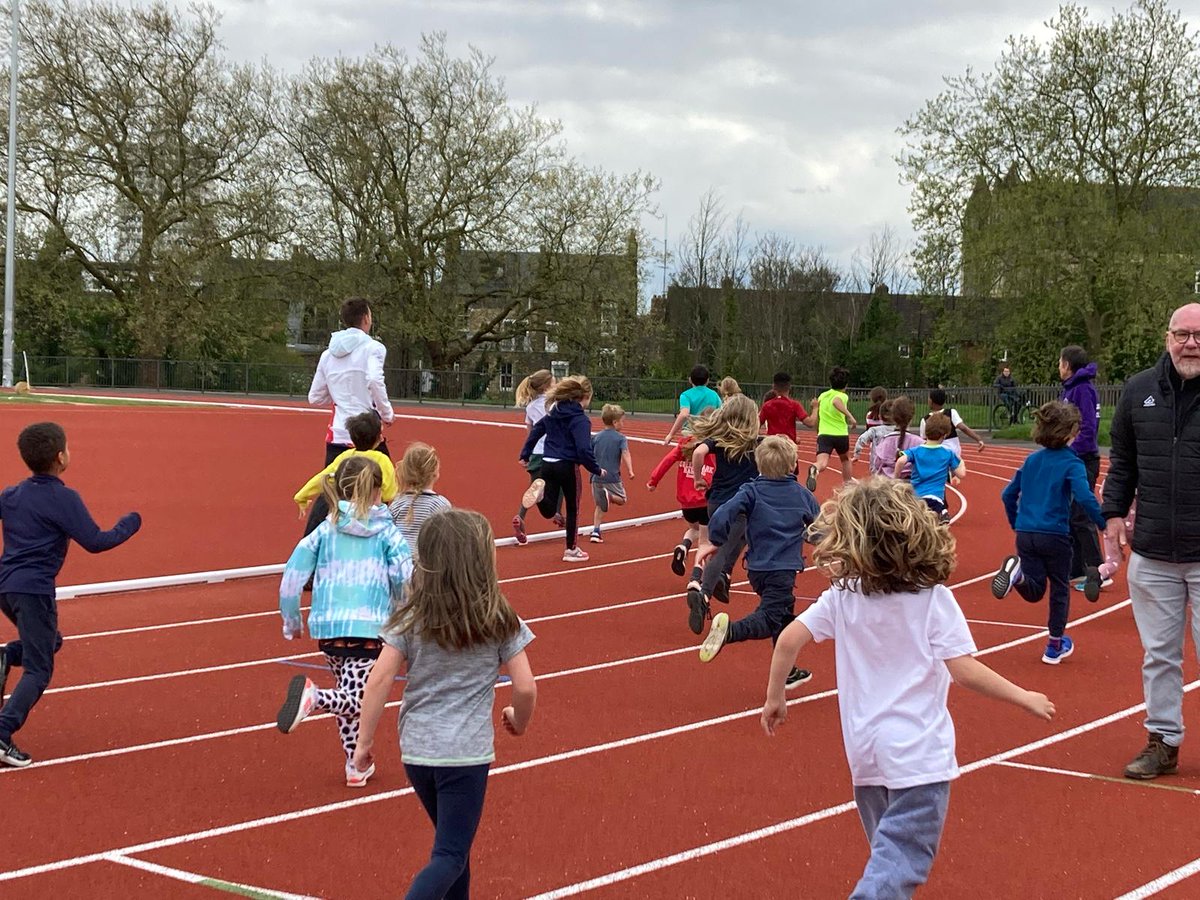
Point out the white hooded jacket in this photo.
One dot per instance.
(350, 378)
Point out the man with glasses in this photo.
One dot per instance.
(1155, 456)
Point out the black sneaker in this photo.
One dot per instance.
(1091, 584)
(697, 608)
(678, 560)
(11, 755)
(797, 677)
(721, 588)
(811, 484)
(3, 671)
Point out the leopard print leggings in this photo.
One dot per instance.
(345, 700)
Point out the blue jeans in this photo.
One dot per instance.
(776, 608)
(453, 798)
(36, 618)
(1046, 558)
(904, 827)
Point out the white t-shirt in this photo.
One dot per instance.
(534, 413)
(892, 680)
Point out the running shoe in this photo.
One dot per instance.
(11, 755)
(797, 677)
(1058, 649)
(721, 588)
(679, 560)
(519, 530)
(812, 479)
(574, 555)
(596, 538)
(560, 520)
(697, 607)
(355, 778)
(1092, 588)
(301, 700)
(533, 494)
(1009, 574)
(716, 638)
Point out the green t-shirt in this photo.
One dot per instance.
(832, 422)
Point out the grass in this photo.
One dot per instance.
(71, 400)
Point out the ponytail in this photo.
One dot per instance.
(418, 470)
(356, 480)
(573, 387)
(533, 386)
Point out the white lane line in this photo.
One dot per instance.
(1150, 888)
(1006, 624)
(1104, 779)
(204, 880)
(1043, 633)
(703, 850)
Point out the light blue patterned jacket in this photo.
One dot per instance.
(361, 571)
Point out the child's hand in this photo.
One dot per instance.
(774, 714)
(701, 485)
(1039, 705)
(955, 480)
(981, 445)
(304, 510)
(509, 717)
(292, 628)
(651, 487)
(363, 757)
(703, 552)
(523, 463)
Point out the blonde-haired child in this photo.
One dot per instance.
(531, 394)
(730, 434)
(728, 387)
(361, 564)
(889, 562)
(777, 511)
(418, 470)
(611, 449)
(568, 433)
(454, 634)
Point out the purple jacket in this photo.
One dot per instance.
(1079, 390)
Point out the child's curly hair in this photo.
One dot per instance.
(1055, 423)
(879, 537)
(733, 427)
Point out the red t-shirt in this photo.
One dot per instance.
(780, 414)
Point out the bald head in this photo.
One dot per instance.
(1185, 354)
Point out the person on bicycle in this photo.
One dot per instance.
(1006, 386)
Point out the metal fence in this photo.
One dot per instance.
(977, 405)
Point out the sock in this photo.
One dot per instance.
(697, 573)
(686, 543)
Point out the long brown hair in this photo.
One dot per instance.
(357, 479)
(455, 598)
(418, 470)
(733, 426)
(878, 537)
(903, 411)
(573, 387)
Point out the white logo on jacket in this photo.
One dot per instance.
(1149, 401)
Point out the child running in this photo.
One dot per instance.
(568, 433)
(780, 412)
(417, 501)
(892, 445)
(692, 502)
(835, 422)
(366, 433)
(873, 436)
(454, 634)
(40, 517)
(361, 564)
(694, 402)
(937, 404)
(1038, 504)
(876, 399)
(900, 638)
(730, 434)
(531, 394)
(611, 449)
(778, 511)
(727, 387)
(931, 465)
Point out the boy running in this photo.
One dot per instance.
(835, 423)
(695, 401)
(937, 404)
(780, 412)
(933, 464)
(611, 448)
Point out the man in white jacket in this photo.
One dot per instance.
(349, 378)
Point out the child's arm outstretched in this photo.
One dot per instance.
(969, 432)
(375, 694)
(975, 676)
(791, 641)
(675, 455)
(300, 567)
(524, 695)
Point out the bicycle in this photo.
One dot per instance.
(1011, 411)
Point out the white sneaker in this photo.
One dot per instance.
(716, 637)
(575, 555)
(596, 538)
(355, 778)
(300, 702)
(533, 494)
(1009, 574)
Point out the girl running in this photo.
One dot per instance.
(876, 398)
(531, 394)
(418, 472)
(692, 502)
(730, 434)
(361, 564)
(873, 435)
(568, 433)
(892, 445)
(454, 634)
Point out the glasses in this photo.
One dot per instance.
(1179, 336)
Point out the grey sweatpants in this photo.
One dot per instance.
(1162, 593)
(904, 827)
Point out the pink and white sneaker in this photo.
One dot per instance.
(518, 525)
(355, 778)
(575, 554)
(533, 494)
(300, 702)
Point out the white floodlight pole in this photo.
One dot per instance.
(11, 224)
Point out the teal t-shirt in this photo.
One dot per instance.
(699, 399)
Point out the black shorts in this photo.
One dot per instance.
(695, 515)
(833, 443)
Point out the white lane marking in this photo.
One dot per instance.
(194, 878)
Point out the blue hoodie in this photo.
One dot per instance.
(1079, 391)
(1038, 499)
(778, 512)
(568, 433)
(361, 570)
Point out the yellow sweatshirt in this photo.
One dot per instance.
(312, 489)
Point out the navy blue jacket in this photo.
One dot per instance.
(778, 512)
(40, 516)
(1079, 391)
(1038, 498)
(568, 433)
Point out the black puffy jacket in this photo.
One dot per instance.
(1156, 453)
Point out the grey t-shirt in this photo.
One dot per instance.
(608, 445)
(446, 713)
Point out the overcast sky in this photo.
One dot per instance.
(788, 109)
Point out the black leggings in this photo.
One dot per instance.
(562, 480)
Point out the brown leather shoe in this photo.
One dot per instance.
(1157, 758)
